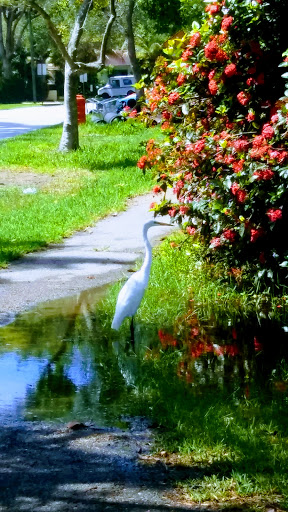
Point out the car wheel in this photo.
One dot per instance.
(105, 96)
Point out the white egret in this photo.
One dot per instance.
(131, 294)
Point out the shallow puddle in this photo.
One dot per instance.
(62, 362)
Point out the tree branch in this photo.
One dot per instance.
(100, 63)
(107, 32)
(53, 31)
(78, 27)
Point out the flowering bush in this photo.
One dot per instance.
(226, 148)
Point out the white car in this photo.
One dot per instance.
(117, 86)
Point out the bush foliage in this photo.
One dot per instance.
(225, 151)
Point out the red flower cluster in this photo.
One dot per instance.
(230, 70)
(214, 52)
(213, 8)
(274, 214)
(195, 40)
(264, 174)
(187, 54)
(213, 87)
(173, 97)
(230, 235)
(226, 23)
(243, 98)
(181, 79)
(267, 131)
(255, 234)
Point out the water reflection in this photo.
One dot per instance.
(61, 361)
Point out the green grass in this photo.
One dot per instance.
(233, 446)
(86, 184)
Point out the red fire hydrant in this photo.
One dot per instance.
(81, 108)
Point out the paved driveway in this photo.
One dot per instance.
(22, 120)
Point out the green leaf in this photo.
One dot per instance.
(285, 75)
(195, 25)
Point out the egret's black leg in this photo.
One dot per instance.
(132, 331)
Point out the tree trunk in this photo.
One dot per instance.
(70, 137)
(131, 44)
(5, 51)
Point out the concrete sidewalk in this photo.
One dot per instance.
(91, 258)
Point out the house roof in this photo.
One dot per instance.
(117, 58)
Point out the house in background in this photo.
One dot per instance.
(117, 63)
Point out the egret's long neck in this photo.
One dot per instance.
(148, 252)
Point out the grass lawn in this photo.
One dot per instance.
(230, 440)
(80, 186)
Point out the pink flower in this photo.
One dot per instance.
(178, 186)
(274, 214)
(275, 118)
(215, 242)
(230, 70)
(190, 230)
(267, 131)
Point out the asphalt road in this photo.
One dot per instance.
(22, 120)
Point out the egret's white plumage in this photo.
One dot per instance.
(133, 290)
